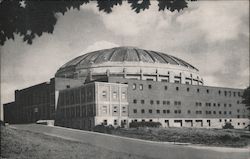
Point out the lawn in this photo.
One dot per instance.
(211, 137)
(20, 144)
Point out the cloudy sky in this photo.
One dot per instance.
(212, 35)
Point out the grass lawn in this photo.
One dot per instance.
(20, 144)
(211, 137)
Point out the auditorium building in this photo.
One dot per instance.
(119, 85)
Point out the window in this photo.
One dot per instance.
(115, 109)
(150, 120)
(135, 110)
(168, 111)
(134, 101)
(198, 90)
(239, 94)
(124, 109)
(149, 86)
(179, 111)
(230, 120)
(189, 111)
(214, 112)
(214, 104)
(175, 103)
(207, 90)
(225, 105)
(220, 120)
(105, 122)
(142, 111)
(115, 122)
(177, 88)
(230, 105)
(179, 102)
(175, 111)
(234, 94)
(218, 104)
(68, 86)
(134, 86)
(238, 116)
(151, 102)
(188, 89)
(230, 112)
(158, 111)
(168, 102)
(219, 112)
(123, 95)
(225, 93)
(114, 95)
(104, 109)
(142, 101)
(219, 92)
(164, 111)
(150, 110)
(225, 112)
(166, 121)
(164, 102)
(141, 87)
(104, 94)
(150, 79)
(166, 87)
(157, 102)
(238, 110)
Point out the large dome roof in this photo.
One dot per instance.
(126, 54)
(130, 60)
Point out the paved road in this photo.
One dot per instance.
(140, 147)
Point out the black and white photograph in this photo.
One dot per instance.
(124, 79)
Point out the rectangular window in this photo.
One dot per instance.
(104, 94)
(158, 111)
(114, 95)
(166, 87)
(142, 111)
(164, 111)
(164, 102)
(150, 111)
(134, 101)
(135, 111)
(149, 86)
(115, 122)
(115, 109)
(123, 95)
(124, 109)
(157, 102)
(177, 88)
(105, 122)
(142, 101)
(151, 102)
(134, 86)
(104, 109)
(141, 87)
(168, 111)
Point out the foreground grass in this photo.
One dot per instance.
(211, 137)
(20, 144)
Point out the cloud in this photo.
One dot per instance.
(213, 36)
(100, 45)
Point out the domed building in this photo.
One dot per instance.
(131, 63)
(124, 85)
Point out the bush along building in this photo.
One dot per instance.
(122, 85)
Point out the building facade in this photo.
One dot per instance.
(120, 85)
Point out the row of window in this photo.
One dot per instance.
(226, 93)
(114, 94)
(158, 111)
(178, 103)
(158, 102)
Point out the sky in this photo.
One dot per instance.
(213, 36)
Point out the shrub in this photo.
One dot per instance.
(144, 124)
(103, 129)
(228, 126)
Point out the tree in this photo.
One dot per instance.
(32, 18)
(246, 97)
